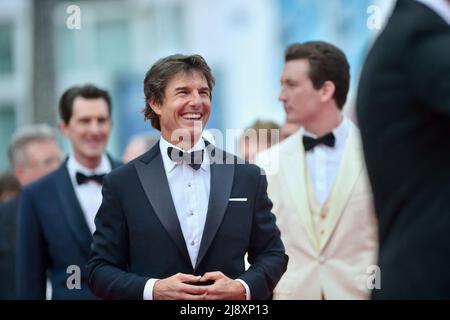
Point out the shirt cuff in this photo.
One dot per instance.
(148, 289)
(248, 296)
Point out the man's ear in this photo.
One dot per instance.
(63, 128)
(156, 107)
(327, 91)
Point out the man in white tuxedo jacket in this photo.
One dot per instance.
(318, 184)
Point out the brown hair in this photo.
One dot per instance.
(327, 63)
(88, 92)
(162, 71)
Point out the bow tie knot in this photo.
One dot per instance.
(82, 178)
(310, 142)
(193, 159)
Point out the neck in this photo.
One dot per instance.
(88, 162)
(325, 122)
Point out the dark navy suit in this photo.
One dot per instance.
(138, 235)
(52, 235)
(8, 216)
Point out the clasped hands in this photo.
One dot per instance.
(183, 286)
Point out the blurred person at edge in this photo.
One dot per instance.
(403, 109)
(33, 153)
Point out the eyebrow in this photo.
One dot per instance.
(188, 89)
(181, 88)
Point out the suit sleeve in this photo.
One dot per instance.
(107, 268)
(31, 256)
(266, 252)
(430, 69)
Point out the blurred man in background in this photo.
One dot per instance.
(403, 108)
(33, 152)
(56, 217)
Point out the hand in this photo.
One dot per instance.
(223, 288)
(176, 287)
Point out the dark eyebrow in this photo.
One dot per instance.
(188, 89)
(178, 89)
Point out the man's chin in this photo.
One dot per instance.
(94, 154)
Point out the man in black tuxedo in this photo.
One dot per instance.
(33, 152)
(56, 213)
(403, 108)
(177, 222)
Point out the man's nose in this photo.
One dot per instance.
(94, 127)
(196, 99)
(282, 96)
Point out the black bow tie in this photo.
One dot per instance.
(193, 159)
(328, 139)
(82, 178)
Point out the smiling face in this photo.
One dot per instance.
(185, 109)
(88, 130)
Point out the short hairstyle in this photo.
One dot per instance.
(87, 91)
(22, 137)
(327, 63)
(162, 72)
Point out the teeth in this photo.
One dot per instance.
(192, 116)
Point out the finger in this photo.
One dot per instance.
(191, 289)
(186, 296)
(214, 275)
(183, 277)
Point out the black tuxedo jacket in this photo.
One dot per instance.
(403, 109)
(138, 235)
(52, 235)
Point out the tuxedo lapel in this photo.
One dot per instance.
(150, 170)
(220, 190)
(72, 208)
(352, 164)
(293, 170)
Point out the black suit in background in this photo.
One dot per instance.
(138, 235)
(52, 234)
(403, 109)
(8, 215)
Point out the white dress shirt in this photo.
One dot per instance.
(190, 194)
(89, 194)
(324, 161)
(441, 7)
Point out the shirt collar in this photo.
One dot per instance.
(169, 165)
(73, 166)
(440, 7)
(340, 132)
